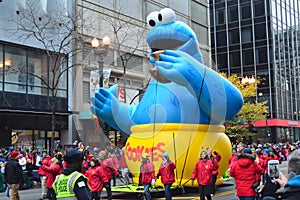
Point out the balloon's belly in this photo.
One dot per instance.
(184, 143)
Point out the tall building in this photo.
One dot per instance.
(261, 39)
(26, 64)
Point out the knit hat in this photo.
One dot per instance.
(102, 153)
(166, 154)
(145, 155)
(14, 154)
(247, 150)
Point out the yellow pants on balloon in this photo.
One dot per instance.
(184, 142)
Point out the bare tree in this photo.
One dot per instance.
(129, 38)
(55, 31)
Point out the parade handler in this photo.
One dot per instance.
(71, 183)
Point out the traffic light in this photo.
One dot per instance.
(252, 129)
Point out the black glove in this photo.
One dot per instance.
(215, 153)
(255, 185)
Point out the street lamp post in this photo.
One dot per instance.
(100, 53)
(267, 126)
(100, 49)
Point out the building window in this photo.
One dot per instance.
(131, 62)
(15, 74)
(248, 57)
(220, 17)
(30, 71)
(232, 14)
(199, 13)
(235, 59)
(201, 32)
(259, 8)
(234, 37)
(261, 55)
(221, 38)
(86, 91)
(222, 61)
(260, 31)
(246, 11)
(246, 35)
(37, 67)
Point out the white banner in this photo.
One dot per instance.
(106, 75)
(94, 82)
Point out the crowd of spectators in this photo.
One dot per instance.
(40, 168)
(248, 165)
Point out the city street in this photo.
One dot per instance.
(225, 191)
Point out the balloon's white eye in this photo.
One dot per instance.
(152, 19)
(165, 16)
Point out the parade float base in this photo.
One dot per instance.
(134, 188)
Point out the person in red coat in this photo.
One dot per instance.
(52, 171)
(108, 169)
(215, 157)
(166, 172)
(246, 173)
(147, 175)
(95, 176)
(203, 172)
(124, 168)
(232, 158)
(44, 160)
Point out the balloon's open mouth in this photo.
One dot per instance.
(162, 44)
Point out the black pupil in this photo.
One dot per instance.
(152, 22)
(159, 17)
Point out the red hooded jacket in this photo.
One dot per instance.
(203, 171)
(147, 173)
(166, 171)
(246, 172)
(108, 169)
(95, 176)
(52, 172)
(46, 161)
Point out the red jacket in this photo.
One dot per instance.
(216, 161)
(46, 161)
(115, 162)
(231, 160)
(147, 173)
(85, 166)
(166, 171)
(246, 172)
(203, 172)
(108, 169)
(123, 163)
(52, 172)
(95, 176)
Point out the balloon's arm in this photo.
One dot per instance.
(218, 98)
(107, 108)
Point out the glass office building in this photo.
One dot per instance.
(260, 39)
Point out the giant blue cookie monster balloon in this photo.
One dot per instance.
(195, 93)
(185, 100)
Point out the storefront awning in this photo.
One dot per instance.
(277, 122)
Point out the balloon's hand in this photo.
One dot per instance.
(179, 67)
(105, 103)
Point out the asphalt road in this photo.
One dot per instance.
(225, 191)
